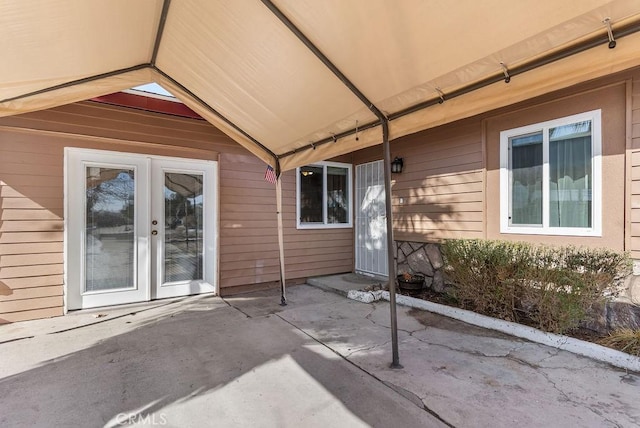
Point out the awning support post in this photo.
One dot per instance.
(395, 361)
(283, 297)
(384, 121)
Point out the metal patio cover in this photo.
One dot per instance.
(292, 80)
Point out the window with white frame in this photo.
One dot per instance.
(550, 177)
(324, 195)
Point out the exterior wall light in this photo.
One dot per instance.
(396, 165)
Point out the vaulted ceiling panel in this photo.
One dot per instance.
(49, 42)
(243, 62)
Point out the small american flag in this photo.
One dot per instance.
(270, 175)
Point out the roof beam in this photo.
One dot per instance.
(593, 42)
(313, 48)
(601, 39)
(78, 82)
(219, 115)
(163, 20)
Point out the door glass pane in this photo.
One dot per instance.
(570, 178)
(110, 237)
(337, 195)
(526, 179)
(183, 225)
(311, 194)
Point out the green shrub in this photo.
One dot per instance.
(551, 288)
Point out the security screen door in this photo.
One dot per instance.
(139, 228)
(371, 220)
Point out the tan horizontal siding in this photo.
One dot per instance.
(233, 263)
(298, 243)
(30, 226)
(27, 214)
(439, 217)
(28, 282)
(441, 208)
(101, 120)
(34, 237)
(442, 226)
(31, 248)
(30, 270)
(249, 251)
(29, 304)
(239, 219)
(31, 293)
(31, 259)
(445, 179)
(425, 191)
(440, 192)
(32, 204)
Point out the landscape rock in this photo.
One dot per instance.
(415, 245)
(406, 248)
(632, 288)
(400, 257)
(419, 262)
(605, 317)
(623, 315)
(435, 257)
(438, 282)
(428, 282)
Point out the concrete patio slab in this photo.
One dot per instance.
(473, 377)
(198, 363)
(322, 360)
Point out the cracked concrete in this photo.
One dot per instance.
(472, 377)
(322, 360)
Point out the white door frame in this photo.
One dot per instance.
(75, 160)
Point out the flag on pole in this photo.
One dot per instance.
(270, 175)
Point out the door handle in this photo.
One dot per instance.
(154, 232)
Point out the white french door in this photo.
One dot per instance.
(138, 227)
(371, 220)
(182, 227)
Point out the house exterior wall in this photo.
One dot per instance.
(440, 192)
(611, 100)
(32, 203)
(248, 231)
(450, 184)
(449, 188)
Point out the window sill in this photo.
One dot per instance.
(561, 231)
(324, 226)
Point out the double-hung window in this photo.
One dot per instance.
(550, 177)
(323, 195)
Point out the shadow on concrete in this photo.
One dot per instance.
(207, 365)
